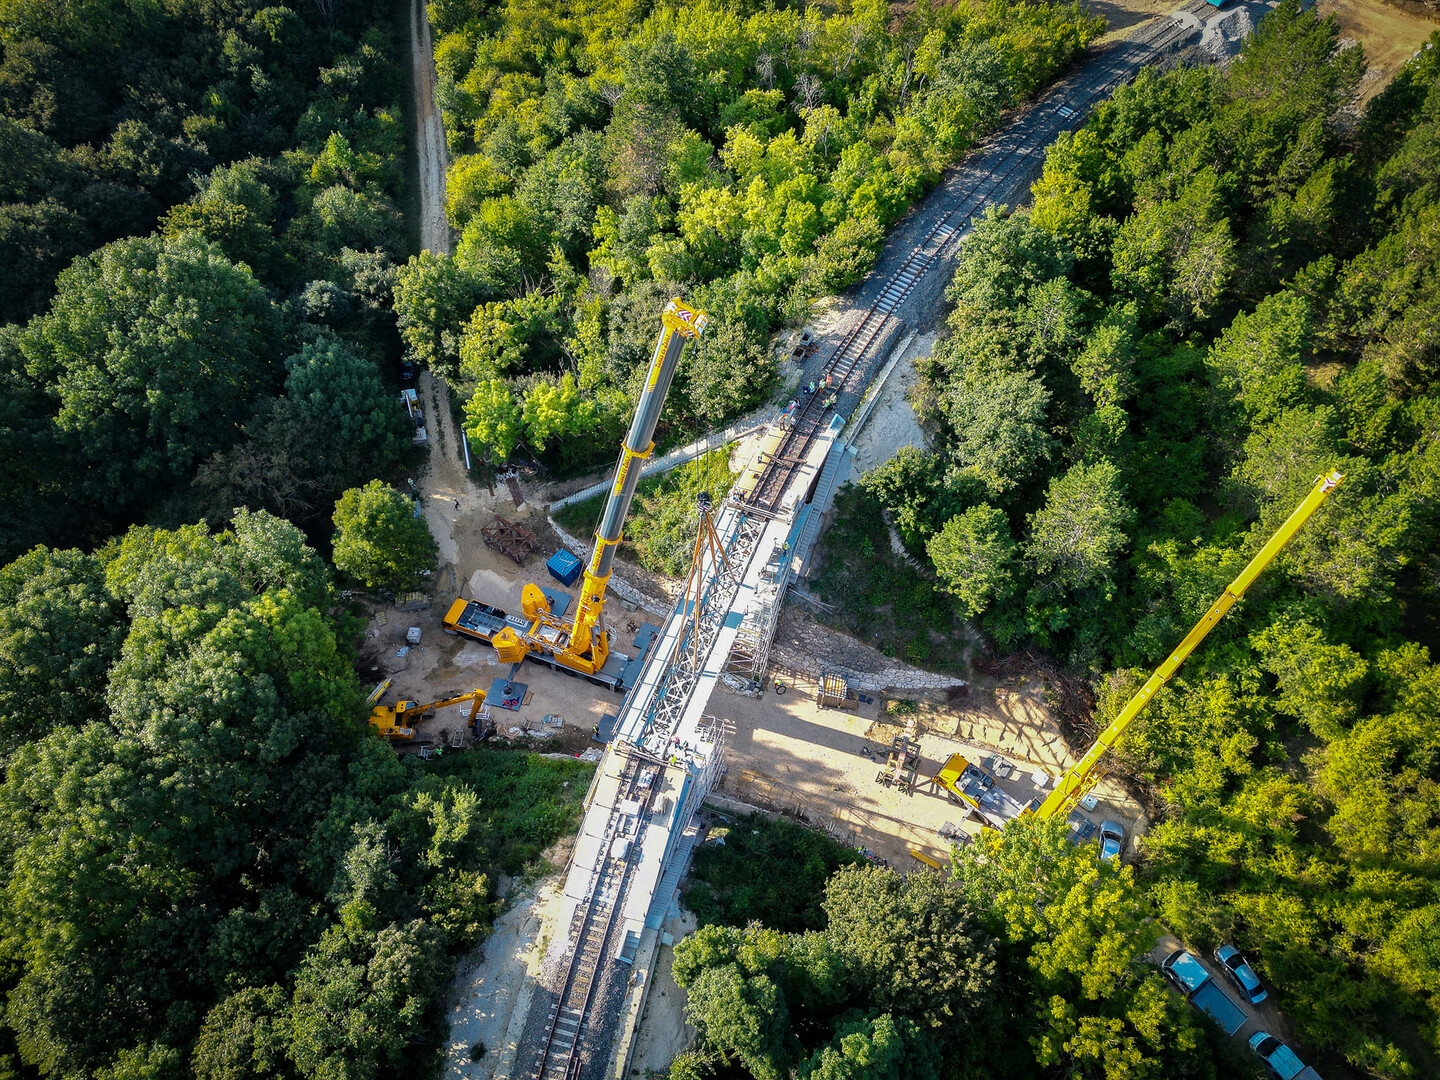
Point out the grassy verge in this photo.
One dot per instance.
(771, 871)
(877, 595)
(527, 802)
(660, 533)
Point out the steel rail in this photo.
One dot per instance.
(582, 973)
(778, 472)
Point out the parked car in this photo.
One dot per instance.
(1281, 1059)
(1189, 976)
(407, 370)
(1112, 839)
(1241, 973)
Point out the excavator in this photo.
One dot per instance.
(388, 720)
(584, 645)
(955, 773)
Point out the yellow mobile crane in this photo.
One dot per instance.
(388, 719)
(1079, 779)
(584, 645)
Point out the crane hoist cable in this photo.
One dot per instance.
(1080, 778)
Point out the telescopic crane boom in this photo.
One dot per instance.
(1079, 779)
(585, 645)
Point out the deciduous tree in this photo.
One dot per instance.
(974, 555)
(380, 538)
(147, 342)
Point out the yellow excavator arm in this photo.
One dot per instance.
(1079, 779)
(389, 720)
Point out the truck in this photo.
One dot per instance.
(1189, 977)
(1281, 1059)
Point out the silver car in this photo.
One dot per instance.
(1241, 973)
(1112, 839)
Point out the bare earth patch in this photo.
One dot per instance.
(490, 995)
(785, 753)
(1388, 35)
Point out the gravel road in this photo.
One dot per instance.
(430, 135)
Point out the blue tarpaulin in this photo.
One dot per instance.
(563, 567)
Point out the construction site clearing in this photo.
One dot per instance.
(785, 752)
(823, 766)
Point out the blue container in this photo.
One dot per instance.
(563, 567)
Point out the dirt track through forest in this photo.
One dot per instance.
(429, 135)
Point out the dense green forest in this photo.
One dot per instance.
(212, 868)
(1026, 963)
(198, 226)
(749, 155)
(1227, 285)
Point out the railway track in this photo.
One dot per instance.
(1059, 107)
(561, 1055)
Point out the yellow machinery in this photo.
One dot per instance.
(920, 856)
(971, 786)
(389, 720)
(1080, 779)
(584, 645)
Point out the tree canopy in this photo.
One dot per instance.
(1222, 291)
(380, 538)
(751, 159)
(211, 866)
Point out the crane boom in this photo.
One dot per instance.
(1074, 783)
(678, 324)
(586, 645)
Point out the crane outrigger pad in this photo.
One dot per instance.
(504, 694)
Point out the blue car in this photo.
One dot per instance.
(1281, 1059)
(1112, 838)
(1241, 973)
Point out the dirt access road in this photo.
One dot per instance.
(456, 508)
(785, 753)
(429, 135)
(1263, 1017)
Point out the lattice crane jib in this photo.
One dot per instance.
(720, 558)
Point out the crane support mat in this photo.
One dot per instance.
(644, 636)
(563, 567)
(500, 698)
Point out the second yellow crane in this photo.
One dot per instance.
(1082, 777)
(972, 787)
